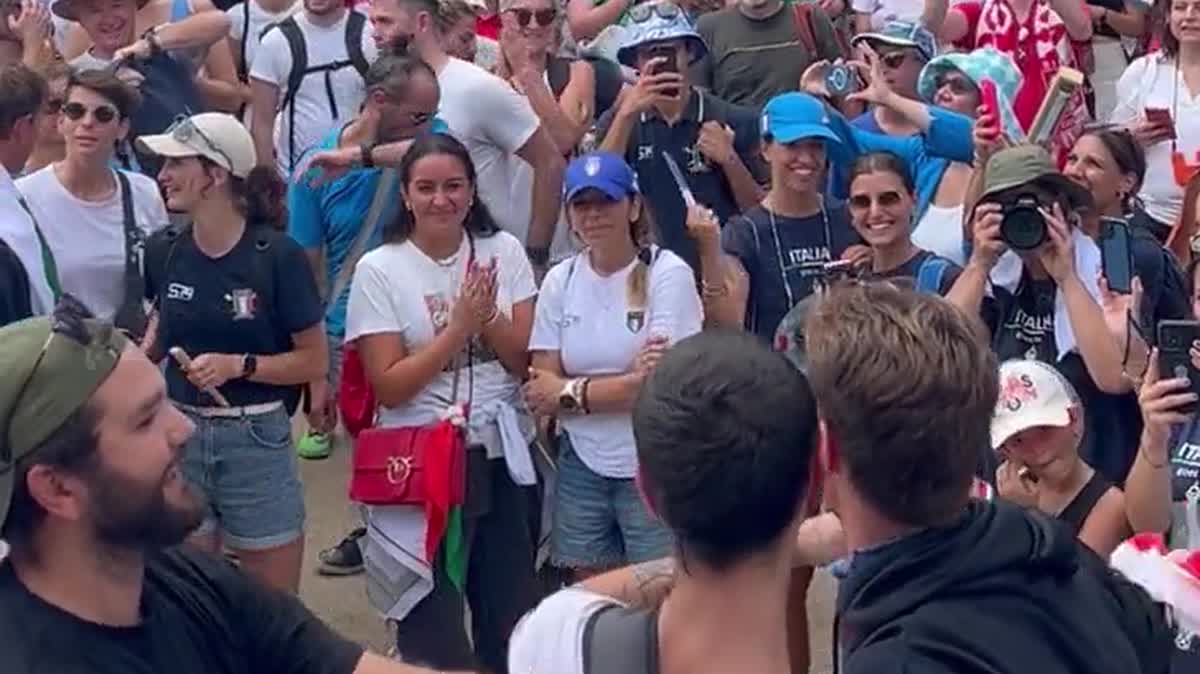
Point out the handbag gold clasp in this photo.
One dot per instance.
(398, 469)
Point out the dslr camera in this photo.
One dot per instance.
(1022, 225)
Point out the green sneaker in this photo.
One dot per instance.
(314, 446)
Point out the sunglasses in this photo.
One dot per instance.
(862, 202)
(642, 13)
(543, 17)
(53, 106)
(893, 59)
(958, 85)
(101, 113)
(184, 131)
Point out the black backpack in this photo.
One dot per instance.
(168, 92)
(355, 24)
(619, 640)
(608, 81)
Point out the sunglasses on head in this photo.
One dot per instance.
(101, 113)
(862, 202)
(184, 130)
(643, 12)
(543, 17)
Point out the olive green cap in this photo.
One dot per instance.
(1024, 164)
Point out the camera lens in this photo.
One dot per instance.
(1022, 226)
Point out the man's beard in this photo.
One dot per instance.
(127, 513)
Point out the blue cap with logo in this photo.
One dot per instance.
(902, 34)
(794, 116)
(658, 21)
(602, 171)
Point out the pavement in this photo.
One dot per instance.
(342, 602)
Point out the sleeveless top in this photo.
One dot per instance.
(1077, 511)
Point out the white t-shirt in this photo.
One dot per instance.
(259, 20)
(550, 637)
(397, 288)
(88, 237)
(1152, 81)
(882, 11)
(314, 117)
(16, 229)
(493, 121)
(586, 318)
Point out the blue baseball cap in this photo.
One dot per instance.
(602, 171)
(794, 116)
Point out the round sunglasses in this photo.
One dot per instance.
(101, 113)
(543, 17)
(643, 12)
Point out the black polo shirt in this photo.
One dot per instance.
(652, 136)
(250, 300)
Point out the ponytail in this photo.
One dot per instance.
(261, 197)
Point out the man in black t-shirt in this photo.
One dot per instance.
(93, 503)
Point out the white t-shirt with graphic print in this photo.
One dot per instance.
(586, 318)
(399, 289)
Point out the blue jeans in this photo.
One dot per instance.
(246, 469)
(601, 522)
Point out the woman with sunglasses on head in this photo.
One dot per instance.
(440, 314)
(561, 91)
(1158, 99)
(94, 218)
(233, 292)
(604, 316)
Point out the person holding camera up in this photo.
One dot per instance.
(1044, 275)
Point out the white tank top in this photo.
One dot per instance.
(940, 231)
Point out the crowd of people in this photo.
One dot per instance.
(627, 315)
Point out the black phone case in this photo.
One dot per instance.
(1174, 341)
(1126, 284)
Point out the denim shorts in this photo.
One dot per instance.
(246, 468)
(601, 522)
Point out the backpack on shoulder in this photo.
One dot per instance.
(619, 640)
(301, 69)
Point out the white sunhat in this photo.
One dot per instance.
(1032, 394)
(216, 136)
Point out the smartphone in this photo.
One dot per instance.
(1175, 340)
(1161, 117)
(987, 97)
(841, 80)
(1115, 255)
(668, 64)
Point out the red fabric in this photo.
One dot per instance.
(356, 400)
(488, 26)
(1039, 46)
(970, 12)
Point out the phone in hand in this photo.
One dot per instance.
(1115, 254)
(667, 63)
(987, 97)
(1161, 117)
(1175, 340)
(841, 80)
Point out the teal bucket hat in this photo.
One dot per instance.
(981, 64)
(658, 22)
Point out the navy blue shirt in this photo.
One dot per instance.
(782, 275)
(652, 136)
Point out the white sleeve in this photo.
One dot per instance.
(370, 51)
(508, 121)
(272, 60)
(516, 273)
(550, 637)
(548, 313)
(864, 6)
(1131, 91)
(371, 309)
(149, 210)
(236, 16)
(675, 307)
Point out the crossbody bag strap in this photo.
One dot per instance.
(49, 265)
(131, 315)
(384, 190)
(469, 350)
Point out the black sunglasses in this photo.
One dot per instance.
(53, 106)
(101, 113)
(543, 17)
(643, 12)
(862, 202)
(959, 85)
(894, 59)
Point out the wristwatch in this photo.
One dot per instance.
(367, 149)
(249, 365)
(571, 397)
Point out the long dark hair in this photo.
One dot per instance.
(260, 197)
(1160, 20)
(1129, 157)
(479, 222)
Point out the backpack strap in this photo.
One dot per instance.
(617, 640)
(243, 71)
(385, 191)
(930, 274)
(802, 13)
(295, 39)
(558, 72)
(355, 25)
